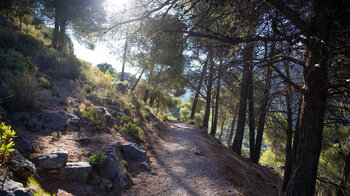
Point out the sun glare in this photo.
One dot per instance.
(113, 6)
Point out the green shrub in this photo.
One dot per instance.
(130, 105)
(33, 185)
(6, 141)
(124, 119)
(123, 86)
(98, 160)
(88, 88)
(55, 90)
(95, 117)
(15, 61)
(133, 129)
(45, 82)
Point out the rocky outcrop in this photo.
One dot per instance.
(54, 161)
(58, 121)
(77, 171)
(24, 143)
(134, 153)
(21, 167)
(23, 146)
(49, 121)
(114, 169)
(12, 188)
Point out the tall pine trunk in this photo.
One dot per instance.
(62, 42)
(222, 127)
(215, 122)
(344, 176)
(124, 57)
(251, 117)
(138, 79)
(263, 110)
(56, 31)
(308, 149)
(198, 90)
(237, 142)
(229, 141)
(209, 88)
(289, 132)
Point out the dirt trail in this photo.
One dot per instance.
(177, 170)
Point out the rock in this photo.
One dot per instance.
(95, 179)
(12, 188)
(197, 151)
(16, 118)
(52, 121)
(84, 141)
(33, 124)
(58, 121)
(73, 120)
(21, 167)
(56, 160)
(24, 143)
(133, 152)
(77, 171)
(114, 169)
(106, 185)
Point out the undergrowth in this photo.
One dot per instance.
(98, 160)
(95, 117)
(6, 141)
(34, 186)
(130, 127)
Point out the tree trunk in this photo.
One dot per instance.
(229, 141)
(263, 110)
(215, 122)
(62, 35)
(212, 109)
(138, 79)
(151, 100)
(208, 98)
(289, 131)
(344, 176)
(237, 142)
(145, 97)
(251, 117)
(124, 58)
(303, 178)
(222, 127)
(56, 31)
(196, 97)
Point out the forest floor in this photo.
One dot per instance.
(185, 161)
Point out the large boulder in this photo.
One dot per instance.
(12, 188)
(136, 154)
(77, 171)
(56, 160)
(115, 169)
(58, 121)
(21, 167)
(31, 122)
